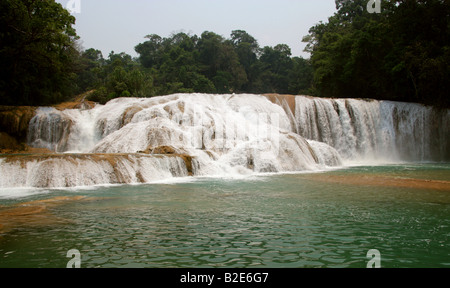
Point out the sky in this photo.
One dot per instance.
(119, 25)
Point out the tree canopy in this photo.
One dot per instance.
(37, 52)
(183, 63)
(402, 53)
(213, 64)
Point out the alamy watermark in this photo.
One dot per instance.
(73, 6)
(374, 257)
(75, 262)
(374, 6)
(259, 132)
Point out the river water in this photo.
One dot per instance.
(320, 219)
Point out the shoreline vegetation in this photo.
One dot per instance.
(401, 54)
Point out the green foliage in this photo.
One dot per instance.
(402, 53)
(37, 52)
(399, 54)
(117, 76)
(100, 95)
(212, 64)
(41, 64)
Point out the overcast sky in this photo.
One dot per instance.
(119, 25)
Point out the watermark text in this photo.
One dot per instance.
(75, 262)
(374, 257)
(374, 6)
(73, 6)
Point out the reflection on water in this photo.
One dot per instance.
(298, 220)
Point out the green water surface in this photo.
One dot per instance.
(293, 220)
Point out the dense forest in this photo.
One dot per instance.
(189, 63)
(402, 53)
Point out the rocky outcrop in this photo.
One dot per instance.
(14, 120)
(13, 127)
(287, 102)
(78, 102)
(50, 129)
(169, 150)
(284, 100)
(9, 143)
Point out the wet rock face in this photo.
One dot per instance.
(14, 121)
(8, 143)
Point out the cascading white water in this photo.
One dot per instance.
(221, 135)
(74, 170)
(225, 133)
(63, 131)
(370, 130)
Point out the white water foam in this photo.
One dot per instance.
(223, 136)
(370, 132)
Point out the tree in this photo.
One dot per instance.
(37, 52)
(248, 51)
(209, 49)
(213, 64)
(301, 77)
(150, 51)
(277, 65)
(89, 70)
(399, 54)
(118, 76)
(220, 63)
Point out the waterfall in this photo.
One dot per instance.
(140, 140)
(75, 170)
(63, 131)
(225, 133)
(370, 130)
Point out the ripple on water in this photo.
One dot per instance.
(307, 223)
